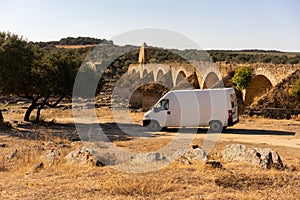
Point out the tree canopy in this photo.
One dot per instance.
(44, 77)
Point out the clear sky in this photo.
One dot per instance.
(213, 24)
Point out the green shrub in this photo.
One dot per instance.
(242, 77)
(295, 91)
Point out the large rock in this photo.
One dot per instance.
(195, 153)
(51, 156)
(85, 155)
(149, 157)
(264, 157)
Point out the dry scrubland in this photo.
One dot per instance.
(177, 181)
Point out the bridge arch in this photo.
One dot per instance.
(211, 75)
(264, 72)
(145, 72)
(193, 79)
(133, 71)
(159, 74)
(260, 84)
(210, 80)
(181, 75)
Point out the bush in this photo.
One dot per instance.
(242, 77)
(295, 91)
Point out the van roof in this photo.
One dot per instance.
(203, 90)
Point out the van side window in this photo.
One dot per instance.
(162, 105)
(166, 104)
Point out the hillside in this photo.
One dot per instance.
(161, 55)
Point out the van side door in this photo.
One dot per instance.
(162, 112)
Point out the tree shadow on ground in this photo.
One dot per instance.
(108, 132)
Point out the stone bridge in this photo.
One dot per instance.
(207, 75)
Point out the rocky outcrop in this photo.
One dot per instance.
(51, 156)
(85, 156)
(187, 156)
(149, 157)
(195, 153)
(264, 157)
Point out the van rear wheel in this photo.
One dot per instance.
(216, 126)
(154, 126)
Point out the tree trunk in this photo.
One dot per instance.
(38, 113)
(1, 117)
(40, 107)
(29, 110)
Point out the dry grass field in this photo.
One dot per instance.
(63, 180)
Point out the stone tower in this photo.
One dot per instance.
(143, 55)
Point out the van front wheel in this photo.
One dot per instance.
(154, 126)
(216, 126)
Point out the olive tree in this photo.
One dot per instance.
(53, 77)
(43, 77)
(16, 59)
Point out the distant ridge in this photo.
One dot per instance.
(246, 56)
(79, 41)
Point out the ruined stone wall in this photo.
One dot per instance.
(274, 72)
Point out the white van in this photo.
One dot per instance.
(216, 108)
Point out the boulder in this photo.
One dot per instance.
(264, 157)
(85, 156)
(149, 157)
(195, 153)
(51, 156)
